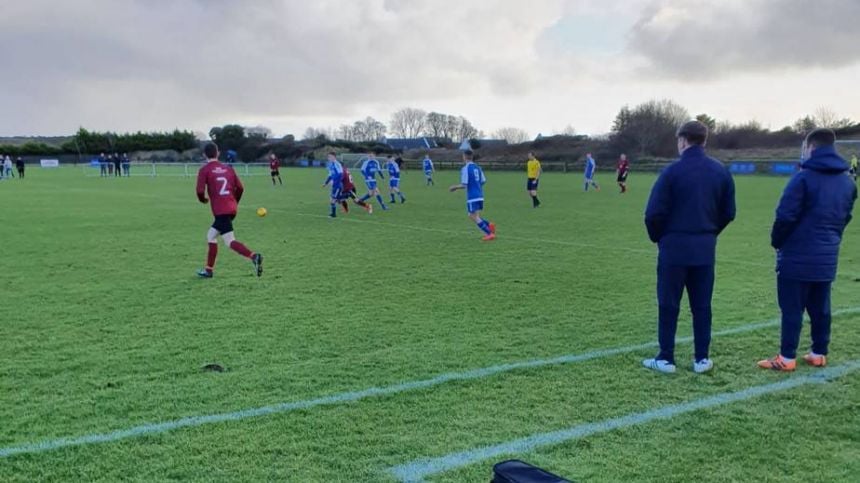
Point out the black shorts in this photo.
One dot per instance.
(622, 178)
(346, 195)
(532, 184)
(276, 173)
(223, 223)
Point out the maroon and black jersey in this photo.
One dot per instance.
(348, 185)
(223, 186)
(623, 167)
(275, 165)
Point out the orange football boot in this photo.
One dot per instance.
(778, 363)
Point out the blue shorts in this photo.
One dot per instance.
(428, 173)
(371, 184)
(532, 184)
(336, 192)
(473, 206)
(394, 183)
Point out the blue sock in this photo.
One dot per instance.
(586, 186)
(364, 198)
(484, 226)
(402, 198)
(333, 211)
(381, 203)
(392, 198)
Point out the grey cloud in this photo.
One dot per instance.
(129, 64)
(699, 39)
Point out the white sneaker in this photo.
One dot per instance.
(659, 365)
(703, 366)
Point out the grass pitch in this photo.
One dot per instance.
(104, 327)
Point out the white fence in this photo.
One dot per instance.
(154, 170)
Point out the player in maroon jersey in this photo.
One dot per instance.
(225, 191)
(348, 192)
(275, 167)
(623, 170)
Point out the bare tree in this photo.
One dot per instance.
(435, 125)
(408, 122)
(465, 129)
(316, 133)
(826, 117)
(513, 135)
(346, 133)
(568, 131)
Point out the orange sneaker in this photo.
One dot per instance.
(778, 363)
(493, 228)
(490, 237)
(815, 360)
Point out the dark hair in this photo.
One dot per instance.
(821, 137)
(210, 150)
(372, 151)
(695, 132)
(331, 153)
(469, 154)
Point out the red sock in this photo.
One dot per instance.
(210, 257)
(241, 249)
(345, 206)
(360, 203)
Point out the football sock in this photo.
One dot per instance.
(484, 226)
(210, 257)
(402, 198)
(392, 198)
(345, 206)
(381, 203)
(241, 249)
(333, 211)
(364, 198)
(360, 203)
(586, 186)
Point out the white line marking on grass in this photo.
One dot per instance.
(417, 471)
(352, 396)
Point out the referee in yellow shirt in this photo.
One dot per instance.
(534, 171)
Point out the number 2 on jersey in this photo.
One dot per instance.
(224, 191)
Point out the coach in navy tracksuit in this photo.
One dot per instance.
(810, 219)
(691, 203)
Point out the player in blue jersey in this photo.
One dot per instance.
(472, 180)
(394, 180)
(335, 179)
(428, 170)
(369, 169)
(590, 170)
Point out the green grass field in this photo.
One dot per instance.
(104, 327)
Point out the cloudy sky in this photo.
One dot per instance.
(539, 64)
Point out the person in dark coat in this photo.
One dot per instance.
(811, 217)
(19, 164)
(691, 203)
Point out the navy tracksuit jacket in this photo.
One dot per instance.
(691, 203)
(812, 214)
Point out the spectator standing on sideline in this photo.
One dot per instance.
(691, 203)
(7, 167)
(812, 215)
(103, 165)
(126, 165)
(19, 163)
(117, 165)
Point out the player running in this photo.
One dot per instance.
(853, 168)
(394, 180)
(225, 191)
(335, 179)
(590, 170)
(348, 192)
(623, 170)
(428, 170)
(275, 168)
(472, 180)
(370, 168)
(533, 171)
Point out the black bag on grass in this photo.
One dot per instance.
(516, 471)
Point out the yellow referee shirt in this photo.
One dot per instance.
(533, 168)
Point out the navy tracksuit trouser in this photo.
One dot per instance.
(671, 282)
(796, 297)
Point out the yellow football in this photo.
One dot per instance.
(261, 212)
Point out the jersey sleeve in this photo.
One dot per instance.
(201, 185)
(240, 189)
(464, 176)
